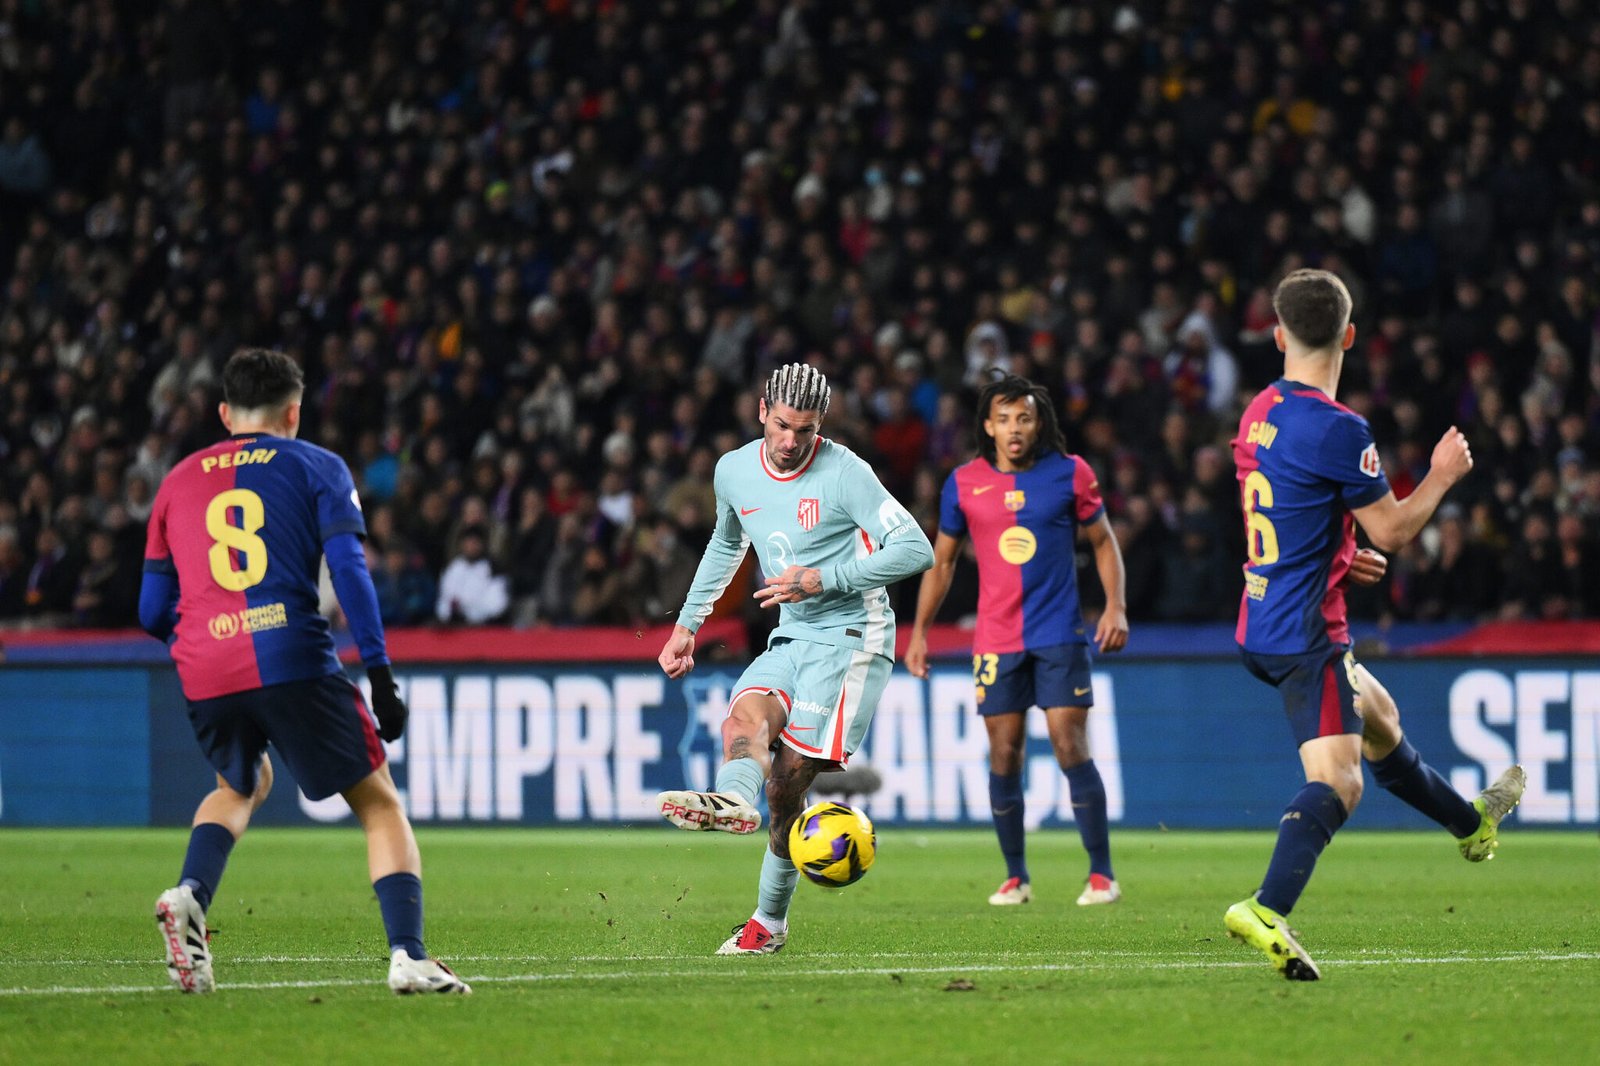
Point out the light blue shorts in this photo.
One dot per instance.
(829, 694)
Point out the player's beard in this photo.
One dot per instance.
(782, 465)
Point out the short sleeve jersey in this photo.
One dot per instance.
(242, 524)
(1304, 463)
(1024, 528)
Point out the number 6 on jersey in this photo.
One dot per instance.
(1263, 539)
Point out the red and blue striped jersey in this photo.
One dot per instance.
(242, 524)
(1024, 528)
(1304, 463)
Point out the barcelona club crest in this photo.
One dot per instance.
(810, 512)
(1015, 499)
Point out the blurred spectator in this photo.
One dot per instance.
(108, 587)
(1194, 587)
(407, 593)
(52, 581)
(469, 590)
(13, 575)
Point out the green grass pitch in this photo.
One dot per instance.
(594, 946)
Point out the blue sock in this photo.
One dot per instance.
(1403, 773)
(742, 778)
(400, 900)
(778, 878)
(209, 845)
(1005, 800)
(1309, 822)
(1089, 809)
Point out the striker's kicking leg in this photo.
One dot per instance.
(395, 867)
(1007, 738)
(1069, 735)
(1399, 768)
(221, 819)
(768, 928)
(754, 719)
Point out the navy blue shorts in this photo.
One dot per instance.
(1319, 690)
(1056, 676)
(321, 729)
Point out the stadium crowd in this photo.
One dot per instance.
(534, 258)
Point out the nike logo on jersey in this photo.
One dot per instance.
(981, 489)
(748, 510)
(1080, 691)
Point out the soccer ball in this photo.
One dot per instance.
(833, 845)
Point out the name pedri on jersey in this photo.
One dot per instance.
(242, 524)
(1024, 530)
(1304, 463)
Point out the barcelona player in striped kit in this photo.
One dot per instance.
(237, 535)
(1308, 471)
(1023, 501)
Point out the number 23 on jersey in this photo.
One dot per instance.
(228, 537)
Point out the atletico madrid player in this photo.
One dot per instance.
(829, 537)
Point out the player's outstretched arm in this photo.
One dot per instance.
(1112, 632)
(347, 566)
(930, 597)
(724, 552)
(902, 548)
(1392, 523)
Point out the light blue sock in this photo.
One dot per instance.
(778, 878)
(742, 778)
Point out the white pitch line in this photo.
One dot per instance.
(1032, 953)
(745, 974)
(250, 960)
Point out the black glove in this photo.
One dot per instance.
(387, 705)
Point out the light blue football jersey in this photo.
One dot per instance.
(831, 513)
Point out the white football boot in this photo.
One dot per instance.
(1100, 889)
(753, 938)
(182, 923)
(721, 811)
(408, 975)
(1012, 891)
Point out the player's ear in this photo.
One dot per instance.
(761, 409)
(222, 413)
(1278, 339)
(1349, 335)
(291, 418)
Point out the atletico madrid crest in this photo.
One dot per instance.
(810, 512)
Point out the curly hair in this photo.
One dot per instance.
(1008, 388)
